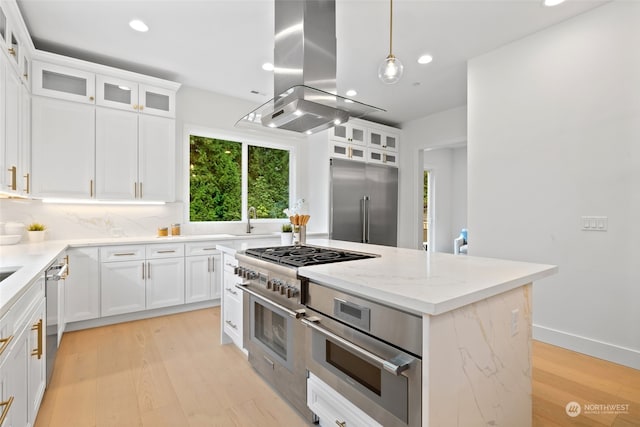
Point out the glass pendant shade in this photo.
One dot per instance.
(390, 70)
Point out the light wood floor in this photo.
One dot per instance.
(172, 371)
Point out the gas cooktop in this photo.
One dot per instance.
(301, 256)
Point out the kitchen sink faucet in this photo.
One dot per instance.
(255, 216)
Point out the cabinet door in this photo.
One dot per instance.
(3, 176)
(82, 286)
(12, 131)
(216, 268)
(157, 158)
(122, 287)
(14, 383)
(349, 132)
(25, 141)
(62, 154)
(382, 157)
(197, 278)
(37, 362)
(63, 83)
(165, 282)
(157, 101)
(117, 93)
(116, 154)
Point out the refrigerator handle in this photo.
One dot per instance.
(366, 219)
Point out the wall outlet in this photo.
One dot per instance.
(515, 314)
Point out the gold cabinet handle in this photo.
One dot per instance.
(141, 190)
(13, 171)
(27, 177)
(148, 270)
(66, 261)
(38, 351)
(142, 270)
(7, 405)
(141, 107)
(4, 344)
(135, 106)
(91, 189)
(341, 423)
(91, 98)
(135, 190)
(12, 51)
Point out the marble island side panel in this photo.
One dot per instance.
(476, 369)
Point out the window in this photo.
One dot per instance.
(226, 176)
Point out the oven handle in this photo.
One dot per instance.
(380, 362)
(297, 314)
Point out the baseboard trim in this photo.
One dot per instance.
(602, 350)
(139, 315)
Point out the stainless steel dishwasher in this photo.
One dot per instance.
(56, 272)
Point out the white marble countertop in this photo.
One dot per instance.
(33, 258)
(30, 261)
(422, 282)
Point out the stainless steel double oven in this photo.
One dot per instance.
(368, 352)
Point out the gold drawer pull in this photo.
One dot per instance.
(28, 178)
(12, 51)
(13, 171)
(341, 423)
(124, 254)
(5, 343)
(38, 351)
(5, 411)
(167, 251)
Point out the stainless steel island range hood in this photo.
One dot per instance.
(305, 93)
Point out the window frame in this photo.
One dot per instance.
(245, 140)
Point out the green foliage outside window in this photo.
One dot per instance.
(216, 180)
(268, 188)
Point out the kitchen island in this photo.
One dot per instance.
(476, 326)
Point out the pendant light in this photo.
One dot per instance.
(390, 70)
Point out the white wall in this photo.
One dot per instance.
(447, 196)
(554, 134)
(444, 129)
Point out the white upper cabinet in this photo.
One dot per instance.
(156, 158)
(131, 96)
(63, 82)
(62, 149)
(351, 133)
(383, 140)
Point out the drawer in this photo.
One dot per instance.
(15, 320)
(202, 248)
(232, 322)
(121, 253)
(232, 294)
(332, 408)
(229, 262)
(165, 250)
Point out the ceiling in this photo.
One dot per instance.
(220, 45)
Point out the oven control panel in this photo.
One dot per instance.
(288, 288)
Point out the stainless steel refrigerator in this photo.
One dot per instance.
(364, 202)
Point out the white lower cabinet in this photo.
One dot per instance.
(82, 286)
(202, 277)
(22, 358)
(123, 287)
(332, 408)
(37, 365)
(165, 282)
(141, 277)
(231, 302)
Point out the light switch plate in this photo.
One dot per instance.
(594, 223)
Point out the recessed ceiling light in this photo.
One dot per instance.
(267, 66)
(138, 25)
(351, 92)
(425, 59)
(551, 3)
